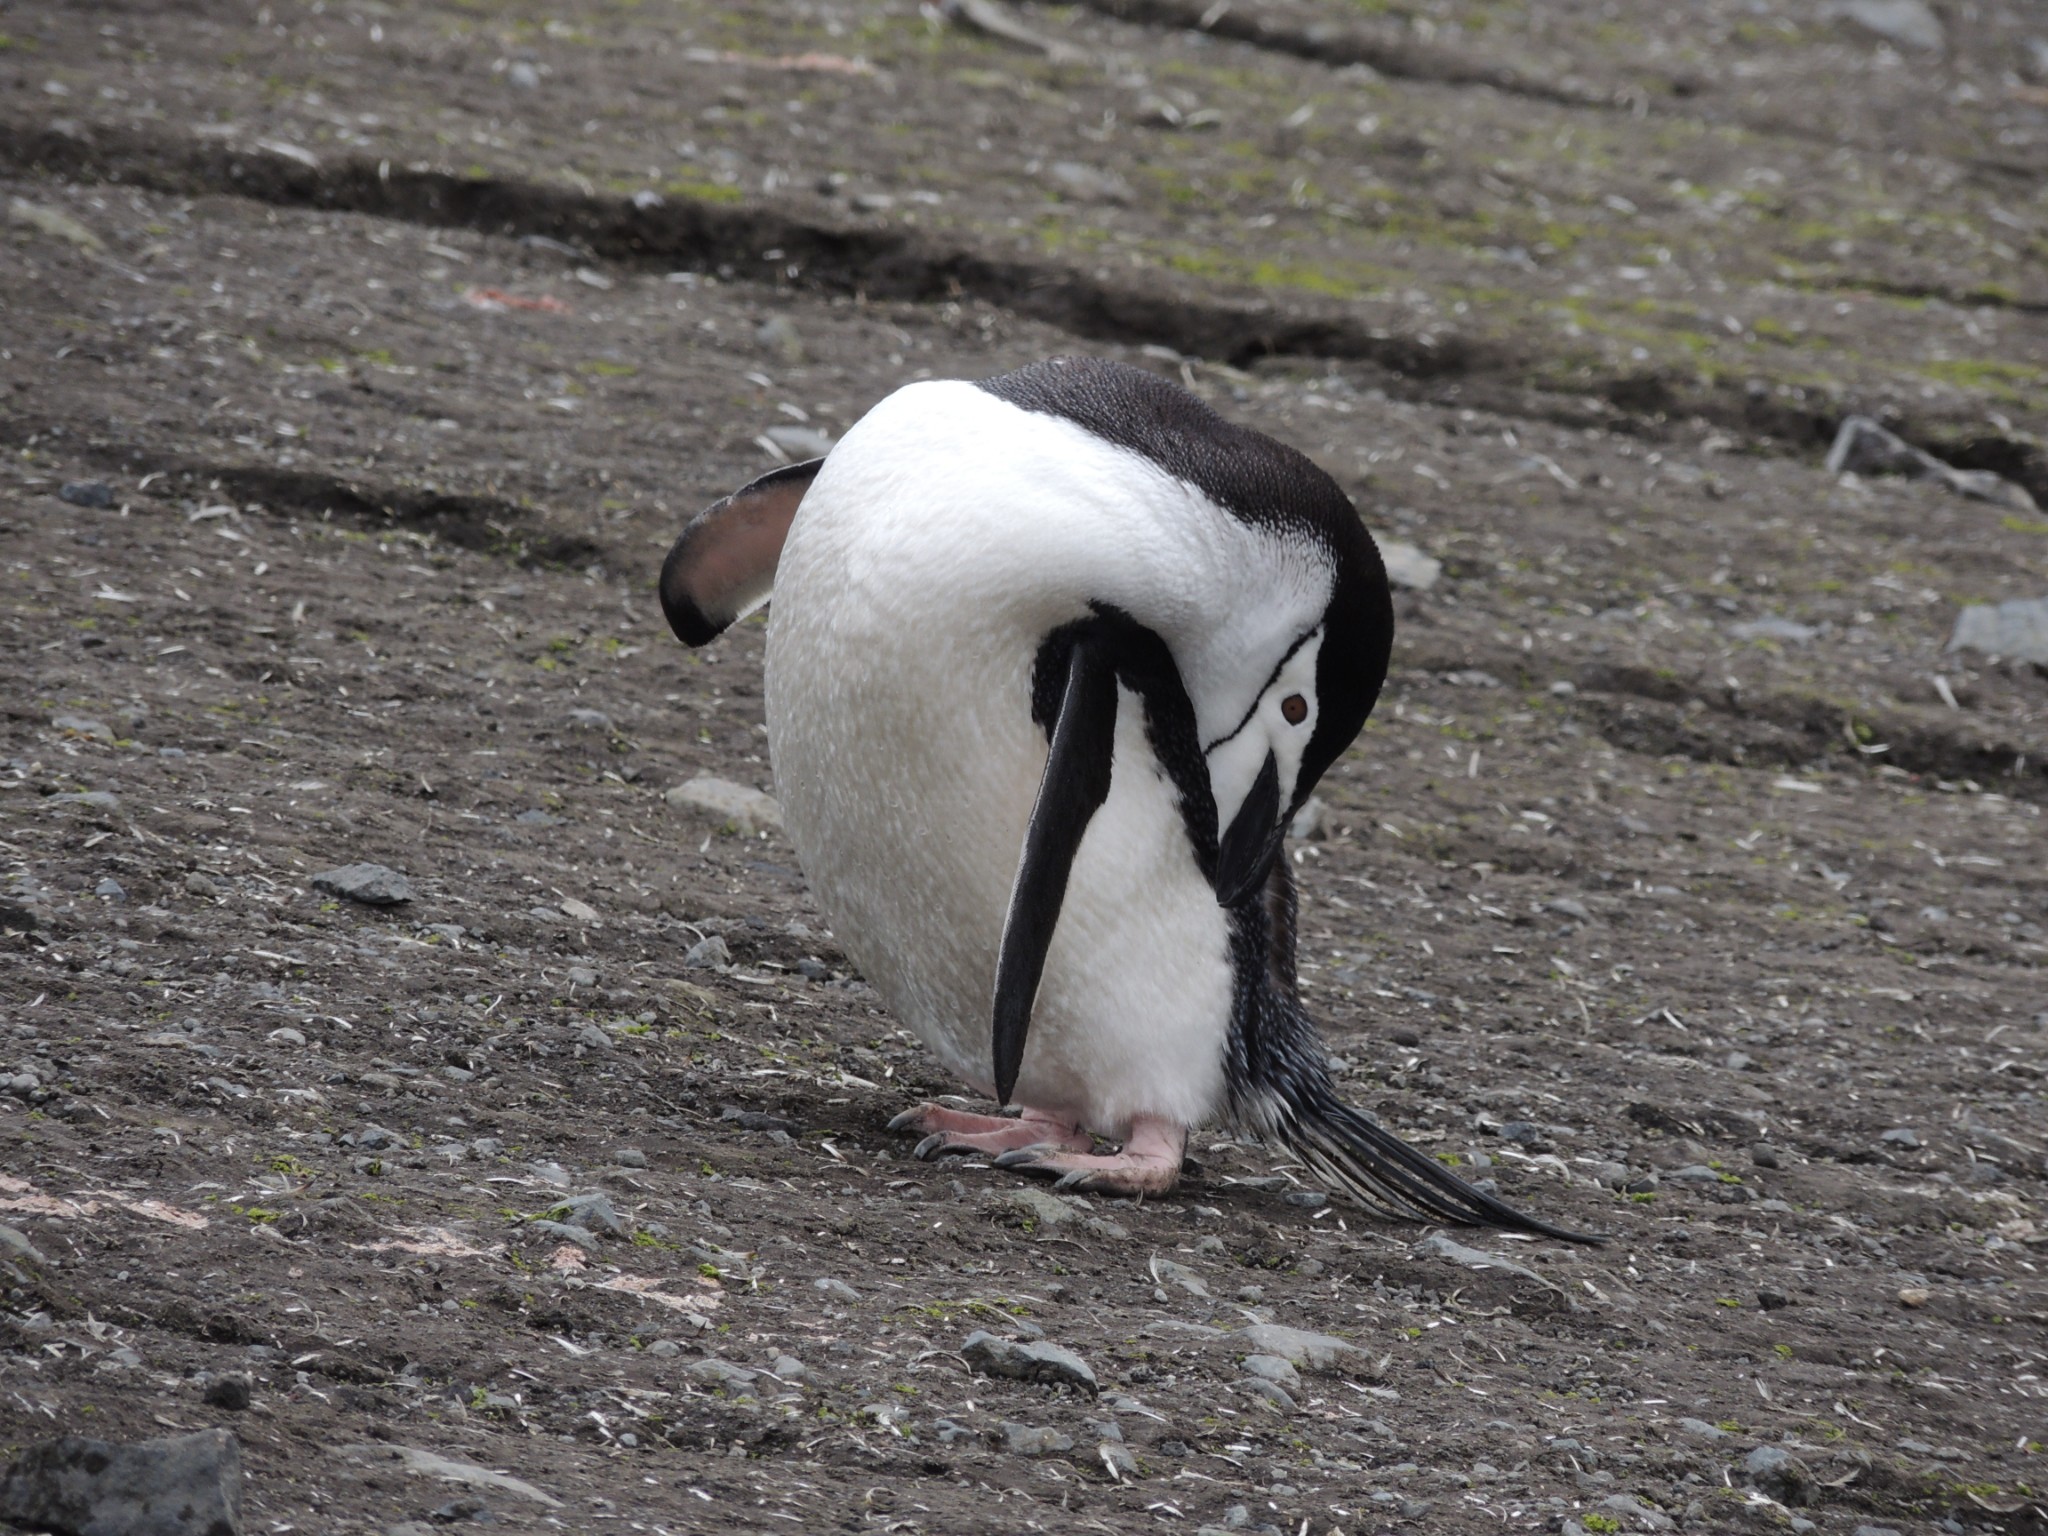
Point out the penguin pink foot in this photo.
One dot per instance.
(1149, 1163)
(955, 1132)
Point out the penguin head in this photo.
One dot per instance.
(1283, 707)
(1260, 580)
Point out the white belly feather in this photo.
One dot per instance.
(906, 621)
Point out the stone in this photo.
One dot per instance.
(799, 443)
(1565, 906)
(1764, 1155)
(1035, 1361)
(52, 221)
(1915, 1296)
(1771, 627)
(187, 1485)
(82, 725)
(2017, 628)
(708, 954)
(630, 1157)
(1863, 447)
(590, 720)
(1778, 1474)
(425, 1463)
(15, 1244)
(1437, 1246)
(1321, 1353)
(89, 800)
(231, 1392)
(788, 1368)
(1117, 1460)
(1701, 1429)
(1901, 1137)
(748, 810)
(721, 1374)
(1088, 183)
(1907, 23)
(1167, 1272)
(839, 1290)
(1034, 1440)
(778, 334)
(1269, 1392)
(110, 889)
(1608, 1175)
(1643, 1516)
(1409, 567)
(95, 494)
(1273, 1368)
(593, 1213)
(374, 885)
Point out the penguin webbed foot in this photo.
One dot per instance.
(1149, 1163)
(956, 1133)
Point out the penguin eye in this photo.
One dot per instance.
(1295, 708)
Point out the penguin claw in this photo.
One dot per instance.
(1024, 1157)
(931, 1149)
(908, 1120)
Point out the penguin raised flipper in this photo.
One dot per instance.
(1054, 659)
(722, 567)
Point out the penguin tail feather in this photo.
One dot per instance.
(1350, 1152)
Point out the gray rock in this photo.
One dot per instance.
(710, 953)
(1779, 1474)
(1701, 1429)
(1630, 1507)
(1437, 1246)
(563, 1232)
(1273, 1368)
(590, 720)
(1903, 1137)
(665, 1349)
(524, 75)
(15, 1244)
(1117, 1460)
(1875, 1530)
(82, 725)
(630, 1157)
(1863, 447)
(1771, 627)
(839, 1290)
(1409, 567)
(1168, 1272)
(788, 1368)
(778, 334)
(1321, 1353)
(2017, 628)
(720, 1374)
(1035, 1361)
(1764, 1155)
(374, 885)
(188, 1485)
(800, 442)
(89, 800)
(593, 1213)
(1268, 1391)
(1565, 906)
(96, 494)
(747, 809)
(1035, 1440)
(426, 1463)
(1907, 23)
(110, 889)
(1693, 1173)
(1608, 1175)
(1311, 822)
(1088, 183)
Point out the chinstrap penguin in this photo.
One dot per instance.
(1054, 658)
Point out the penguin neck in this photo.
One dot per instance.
(1274, 1053)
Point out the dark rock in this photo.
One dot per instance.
(96, 494)
(1764, 1155)
(1779, 1474)
(593, 1213)
(230, 1392)
(1863, 447)
(374, 885)
(1036, 1361)
(1773, 1301)
(189, 1485)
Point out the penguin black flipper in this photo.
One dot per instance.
(722, 566)
(1080, 722)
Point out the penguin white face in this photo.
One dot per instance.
(1255, 772)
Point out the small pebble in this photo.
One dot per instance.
(96, 494)
(230, 1392)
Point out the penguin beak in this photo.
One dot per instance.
(1245, 856)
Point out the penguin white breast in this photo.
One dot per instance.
(946, 536)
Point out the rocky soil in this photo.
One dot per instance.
(357, 364)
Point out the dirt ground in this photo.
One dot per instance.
(1685, 884)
